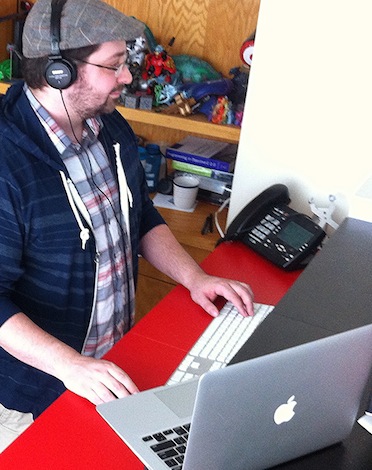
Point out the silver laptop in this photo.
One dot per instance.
(251, 415)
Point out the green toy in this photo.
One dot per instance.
(5, 70)
(193, 69)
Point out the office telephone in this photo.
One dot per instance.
(287, 238)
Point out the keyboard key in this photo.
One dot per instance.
(163, 446)
(180, 430)
(172, 463)
(166, 454)
(180, 459)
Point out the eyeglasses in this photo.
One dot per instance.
(117, 69)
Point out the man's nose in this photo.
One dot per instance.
(125, 76)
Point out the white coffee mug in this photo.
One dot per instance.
(185, 190)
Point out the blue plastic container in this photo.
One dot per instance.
(151, 157)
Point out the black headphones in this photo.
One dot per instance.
(59, 73)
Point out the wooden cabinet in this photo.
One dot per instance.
(187, 228)
(7, 7)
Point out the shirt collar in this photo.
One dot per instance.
(91, 129)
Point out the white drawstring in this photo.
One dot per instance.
(126, 198)
(75, 201)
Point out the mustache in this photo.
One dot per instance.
(118, 88)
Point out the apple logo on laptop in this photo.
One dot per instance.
(285, 412)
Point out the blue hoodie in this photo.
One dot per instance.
(47, 271)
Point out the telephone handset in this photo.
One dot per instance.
(277, 232)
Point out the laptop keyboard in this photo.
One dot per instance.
(170, 445)
(220, 341)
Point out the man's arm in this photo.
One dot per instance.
(95, 379)
(162, 250)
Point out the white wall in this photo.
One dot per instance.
(308, 112)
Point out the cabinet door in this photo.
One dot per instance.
(150, 291)
(7, 7)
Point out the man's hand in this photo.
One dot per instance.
(162, 250)
(204, 290)
(96, 379)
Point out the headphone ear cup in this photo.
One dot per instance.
(60, 73)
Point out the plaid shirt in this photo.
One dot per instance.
(89, 169)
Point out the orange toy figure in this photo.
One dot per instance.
(159, 64)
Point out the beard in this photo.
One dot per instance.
(87, 103)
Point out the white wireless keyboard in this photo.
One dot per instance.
(220, 341)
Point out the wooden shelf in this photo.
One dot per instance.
(196, 124)
(3, 87)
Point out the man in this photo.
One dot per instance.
(75, 214)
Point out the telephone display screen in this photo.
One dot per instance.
(295, 235)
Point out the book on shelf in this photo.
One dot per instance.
(202, 171)
(206, 153)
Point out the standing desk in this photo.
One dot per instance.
(71, 435)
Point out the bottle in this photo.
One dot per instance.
(152, 166)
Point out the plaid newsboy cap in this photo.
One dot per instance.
(82, 23)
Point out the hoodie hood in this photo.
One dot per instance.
(18, 125)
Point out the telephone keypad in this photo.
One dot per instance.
(263, 229)
(258, 233)
(271, 224)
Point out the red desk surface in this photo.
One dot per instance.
(71, 435)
